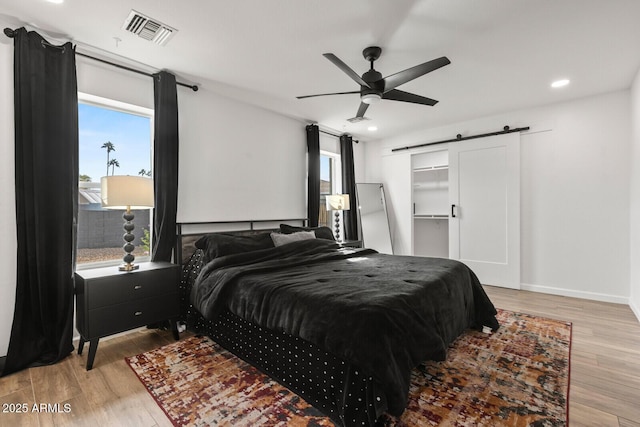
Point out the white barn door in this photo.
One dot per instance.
(484, 226)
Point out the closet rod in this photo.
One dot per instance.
(463, 138)
(11, 34)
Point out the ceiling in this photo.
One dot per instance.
(504, 53)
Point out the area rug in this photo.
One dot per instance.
(517, 376)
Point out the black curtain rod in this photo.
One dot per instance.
(333, 134)
(11, 34)
(463, 138)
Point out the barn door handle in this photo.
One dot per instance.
(453, 211)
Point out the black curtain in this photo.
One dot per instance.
(350, 217)
(313, 174)
(46, 163)
(165, 165)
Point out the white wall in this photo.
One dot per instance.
(7, 200)
(634, 232)
(574, 192)
(239, 162)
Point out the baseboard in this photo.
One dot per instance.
(596, 296)
(635, 309)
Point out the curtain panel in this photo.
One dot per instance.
(313, 174)
(46, 173)
(350, 217)
(165, 165)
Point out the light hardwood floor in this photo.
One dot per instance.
(604, 390)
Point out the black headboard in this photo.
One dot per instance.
(188, 232)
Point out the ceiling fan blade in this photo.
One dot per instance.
(393, 81)
(344, 67)
(325, 94)
(398, 95)
(361, 110)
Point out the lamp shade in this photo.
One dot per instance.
(126, 192)
(338, 202)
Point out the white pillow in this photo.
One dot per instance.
(280, 239)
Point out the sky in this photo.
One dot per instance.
(325, 169)
(130, 134)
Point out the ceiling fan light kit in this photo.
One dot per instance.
(373, 87)
(370, 98)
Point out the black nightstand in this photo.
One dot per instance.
(352, 243)
(109, 301)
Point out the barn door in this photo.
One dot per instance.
(484, 225)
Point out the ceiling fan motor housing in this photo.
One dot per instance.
(376, 84)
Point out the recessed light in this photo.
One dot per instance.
(372, 128)
(560, 83)
(56, 1)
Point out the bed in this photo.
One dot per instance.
(342, 327)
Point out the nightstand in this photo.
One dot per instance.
(352, 243)
(109, 301)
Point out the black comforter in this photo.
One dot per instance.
(383, 313)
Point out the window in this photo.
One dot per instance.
(330, 183)
(114, 139)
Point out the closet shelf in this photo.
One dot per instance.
(431, 168)
(431, 216)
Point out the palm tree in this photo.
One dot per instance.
(144, 172)
(114, 164)
(110, 147)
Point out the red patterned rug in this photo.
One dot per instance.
(517, 376)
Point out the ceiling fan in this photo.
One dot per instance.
(373, 87)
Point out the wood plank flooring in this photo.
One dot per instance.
(605, 355)
(604, 391)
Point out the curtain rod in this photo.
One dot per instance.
(11, 34)
(337, 136)
(463, 138)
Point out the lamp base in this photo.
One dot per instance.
(128, 239)
(337, 226)
(128, 267)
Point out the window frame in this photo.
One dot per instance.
(336, 179)
(123, 107)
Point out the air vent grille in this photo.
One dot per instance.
(148, 28)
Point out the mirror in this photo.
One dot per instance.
(374, 222)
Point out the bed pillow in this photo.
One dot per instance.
(280, 239)
(320, 232)
(219, 244)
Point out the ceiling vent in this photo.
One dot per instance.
(148, 28)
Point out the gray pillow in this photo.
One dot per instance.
(280, 239)
(321, 232)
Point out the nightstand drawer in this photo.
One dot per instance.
(130, 287)
(131, 314)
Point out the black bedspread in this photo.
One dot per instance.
(384, 313)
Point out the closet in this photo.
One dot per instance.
(466, 206)
(430, 175)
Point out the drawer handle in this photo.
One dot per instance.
(138, 313)
(136, 287)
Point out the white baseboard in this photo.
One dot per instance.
(596, 296)
(635, 309)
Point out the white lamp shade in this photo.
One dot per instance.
(338, 202)
(124, 191)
